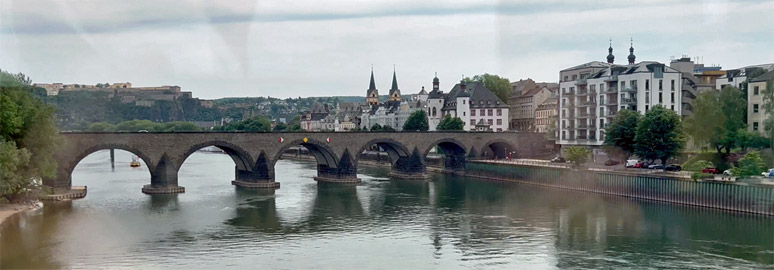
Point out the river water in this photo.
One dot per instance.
(451, 222)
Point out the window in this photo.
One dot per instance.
(489, 112)
(660, 85)
(472, 112)
(660, 98)
(463, 113)
(646, 108)
(755, 126)
(434, 111)
(601, 123)
(673, 107)
(647, 97)
(673, 97)
(574, 77)
(623, 85)
(755, 108)
(463, 102)
(633, 84)
(601, 87)
(483, 113)
(472, 122)
(499, 121)
(593, 88)
(601, 111)
(489, 121)
(755, 90)
(499, 130)
(673, 85)
(565, 78)
(499, 112)
(647, 84)
(564, 90)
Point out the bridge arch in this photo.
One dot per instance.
(453, 150)
(394, 149)
(324, 155)
(67, 164)
(241, 158)
(497, 149)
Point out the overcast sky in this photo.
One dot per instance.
(321, 48)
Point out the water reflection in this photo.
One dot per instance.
(450, 222)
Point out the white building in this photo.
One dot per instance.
(735, 77)
(392, 113)
(591, 95)
(471, 103)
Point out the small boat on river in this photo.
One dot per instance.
(135, 162)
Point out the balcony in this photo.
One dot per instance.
(587, 103)
(612, 78)
(612, 90)
(581, 82)
(629, 101)
(630, 89)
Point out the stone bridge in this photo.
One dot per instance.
(255, 154)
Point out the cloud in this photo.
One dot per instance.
(316, 48)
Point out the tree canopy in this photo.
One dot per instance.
(417, 121)
(622, 131)
(451, 123)
(498, 85)
(659, 135)
(28, 137)
(578, 155)
(255, 123)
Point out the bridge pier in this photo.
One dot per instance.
(163, 180)
(412, 167)
(455, 162)
(256, 179)
(345, 172)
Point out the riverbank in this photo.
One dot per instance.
(9, 210)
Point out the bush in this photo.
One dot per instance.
(699, 165)
(578, 154)
(700, 175)
(750, 164)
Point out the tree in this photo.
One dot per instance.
(451, 123)
(768, 107)
(28, 137)
(280, 126)
(102, 127)
(255, 123)
(707, 122)
(699, 165)
(387, 128)
(659, 135)
(417, 121)
(622, 131)
(376, 127)
(734, 107)
(578, 155)
(750, 164)
(500, 86)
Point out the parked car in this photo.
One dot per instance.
(656, 167)
(769, 173)
(558, 160)
(642, 165)
(631, 163)
(727, 173)
(711, 170)
(673, 168)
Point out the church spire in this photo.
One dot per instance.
(373, 84)
(631, 52)
(610, 56)
(394, 91)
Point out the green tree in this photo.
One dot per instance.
(28, 137)
(102, 127)
(750, 164)
(387, 128)
(500, 86)
(707, 122)
(622, 130)
(699, 165)
(578, 155)
(768, 107)
(417, 121)
(734, 107)
(659, 135)
(256, 123)
(376, 127)
(280, 126)
(451, 123)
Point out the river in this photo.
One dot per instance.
(449, 223)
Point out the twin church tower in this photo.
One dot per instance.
(372, 94)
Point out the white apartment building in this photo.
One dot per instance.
(591, 95)
(756, 114)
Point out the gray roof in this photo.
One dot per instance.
(480, 97)
(592, 64)
(764, 77)
(644, 66)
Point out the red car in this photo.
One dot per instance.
(711, 170)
